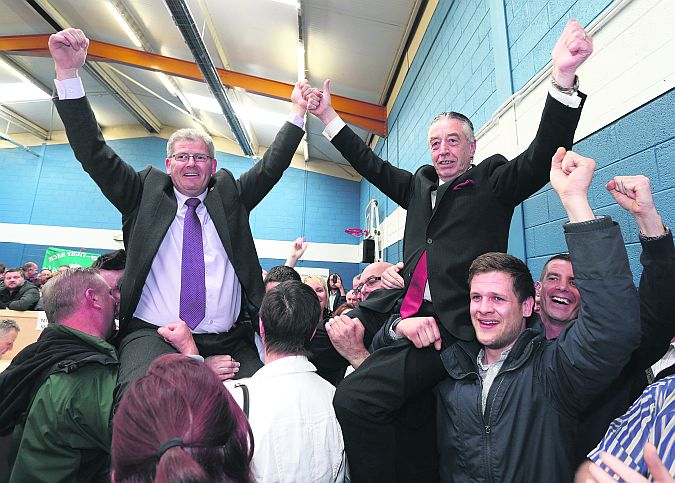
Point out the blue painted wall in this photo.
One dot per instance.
(642, 142)
(52, 189)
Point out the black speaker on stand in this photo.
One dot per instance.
(368, 251)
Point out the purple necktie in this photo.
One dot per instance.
(192, 278)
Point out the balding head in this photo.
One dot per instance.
(371, 278)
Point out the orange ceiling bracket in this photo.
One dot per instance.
(372, 117)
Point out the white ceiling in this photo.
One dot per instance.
(355, 43)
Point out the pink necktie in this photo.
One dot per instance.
(415, 294)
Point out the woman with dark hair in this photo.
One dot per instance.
(178, 423)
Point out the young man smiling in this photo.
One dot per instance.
(531, 391)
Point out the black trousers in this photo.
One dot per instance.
(141, 344)
(387, 411)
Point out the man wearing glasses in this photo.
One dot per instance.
(190, 251)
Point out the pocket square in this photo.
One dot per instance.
(464, 184)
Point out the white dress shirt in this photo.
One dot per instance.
(297, 436)
(160, 299)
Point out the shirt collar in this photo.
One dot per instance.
(481, 356)
(285, 365)
(181, 198)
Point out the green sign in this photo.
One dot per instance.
(56, 257)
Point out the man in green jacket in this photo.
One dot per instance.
(71, 371)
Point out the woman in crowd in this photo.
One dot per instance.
(178, 423)
(320, 288)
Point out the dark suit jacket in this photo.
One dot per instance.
(148, 205)
(472, 214)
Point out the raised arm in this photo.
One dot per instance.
(118, 181)
(657, 282)
(394, 182)
(255, 183)
(593, 351)
(516, 180)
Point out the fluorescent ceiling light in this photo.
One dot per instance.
(167, 83)
(21, 92)
(252, 114)
(125, 26)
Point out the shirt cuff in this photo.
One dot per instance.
(297, 120)
(333, 128)
(69, 88)
(196, 357)
(392, 330)
(569, 100)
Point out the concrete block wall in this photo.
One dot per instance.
(52, 189)
(642, 142)
(535, 25)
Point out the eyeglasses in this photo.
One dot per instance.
(184, 157)
(370, 282)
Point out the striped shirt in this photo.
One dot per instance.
(650, 419)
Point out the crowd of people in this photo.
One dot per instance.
(464, 368)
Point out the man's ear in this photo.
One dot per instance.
(528, 306)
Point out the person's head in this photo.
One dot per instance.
(352, 298)
(371, 279)
(278, 274)
(14, 278)
(344, 309)
(80, 298)
(501, 294)
(190, 160)
(178, 423)
(288, 318)
(452, 144)
(44, 274)
(63, 268)
(29, 269)
(111, 267)
(3, 267)
(318, 284)
(9, 330)
(334, 281)
(559, 297)
(356, 281)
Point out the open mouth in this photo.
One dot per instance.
(561, 300)
(488, 324)
(445, 163)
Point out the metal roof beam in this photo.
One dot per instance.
(367, 115)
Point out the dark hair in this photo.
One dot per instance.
(181, 399)
(343, 308)
(115, 260)
(559, 256)
(281, 273)
(523, 285)
(16, 269)
(470, 136)
(2, 267)
(289, 314)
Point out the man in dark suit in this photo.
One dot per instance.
(456, 212)
(190, 251)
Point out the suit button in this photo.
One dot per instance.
(429, 241)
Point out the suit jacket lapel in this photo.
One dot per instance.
(214, 205)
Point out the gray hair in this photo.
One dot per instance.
(190, 134)
(468, 125)
(62, 295)
(8, 324)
